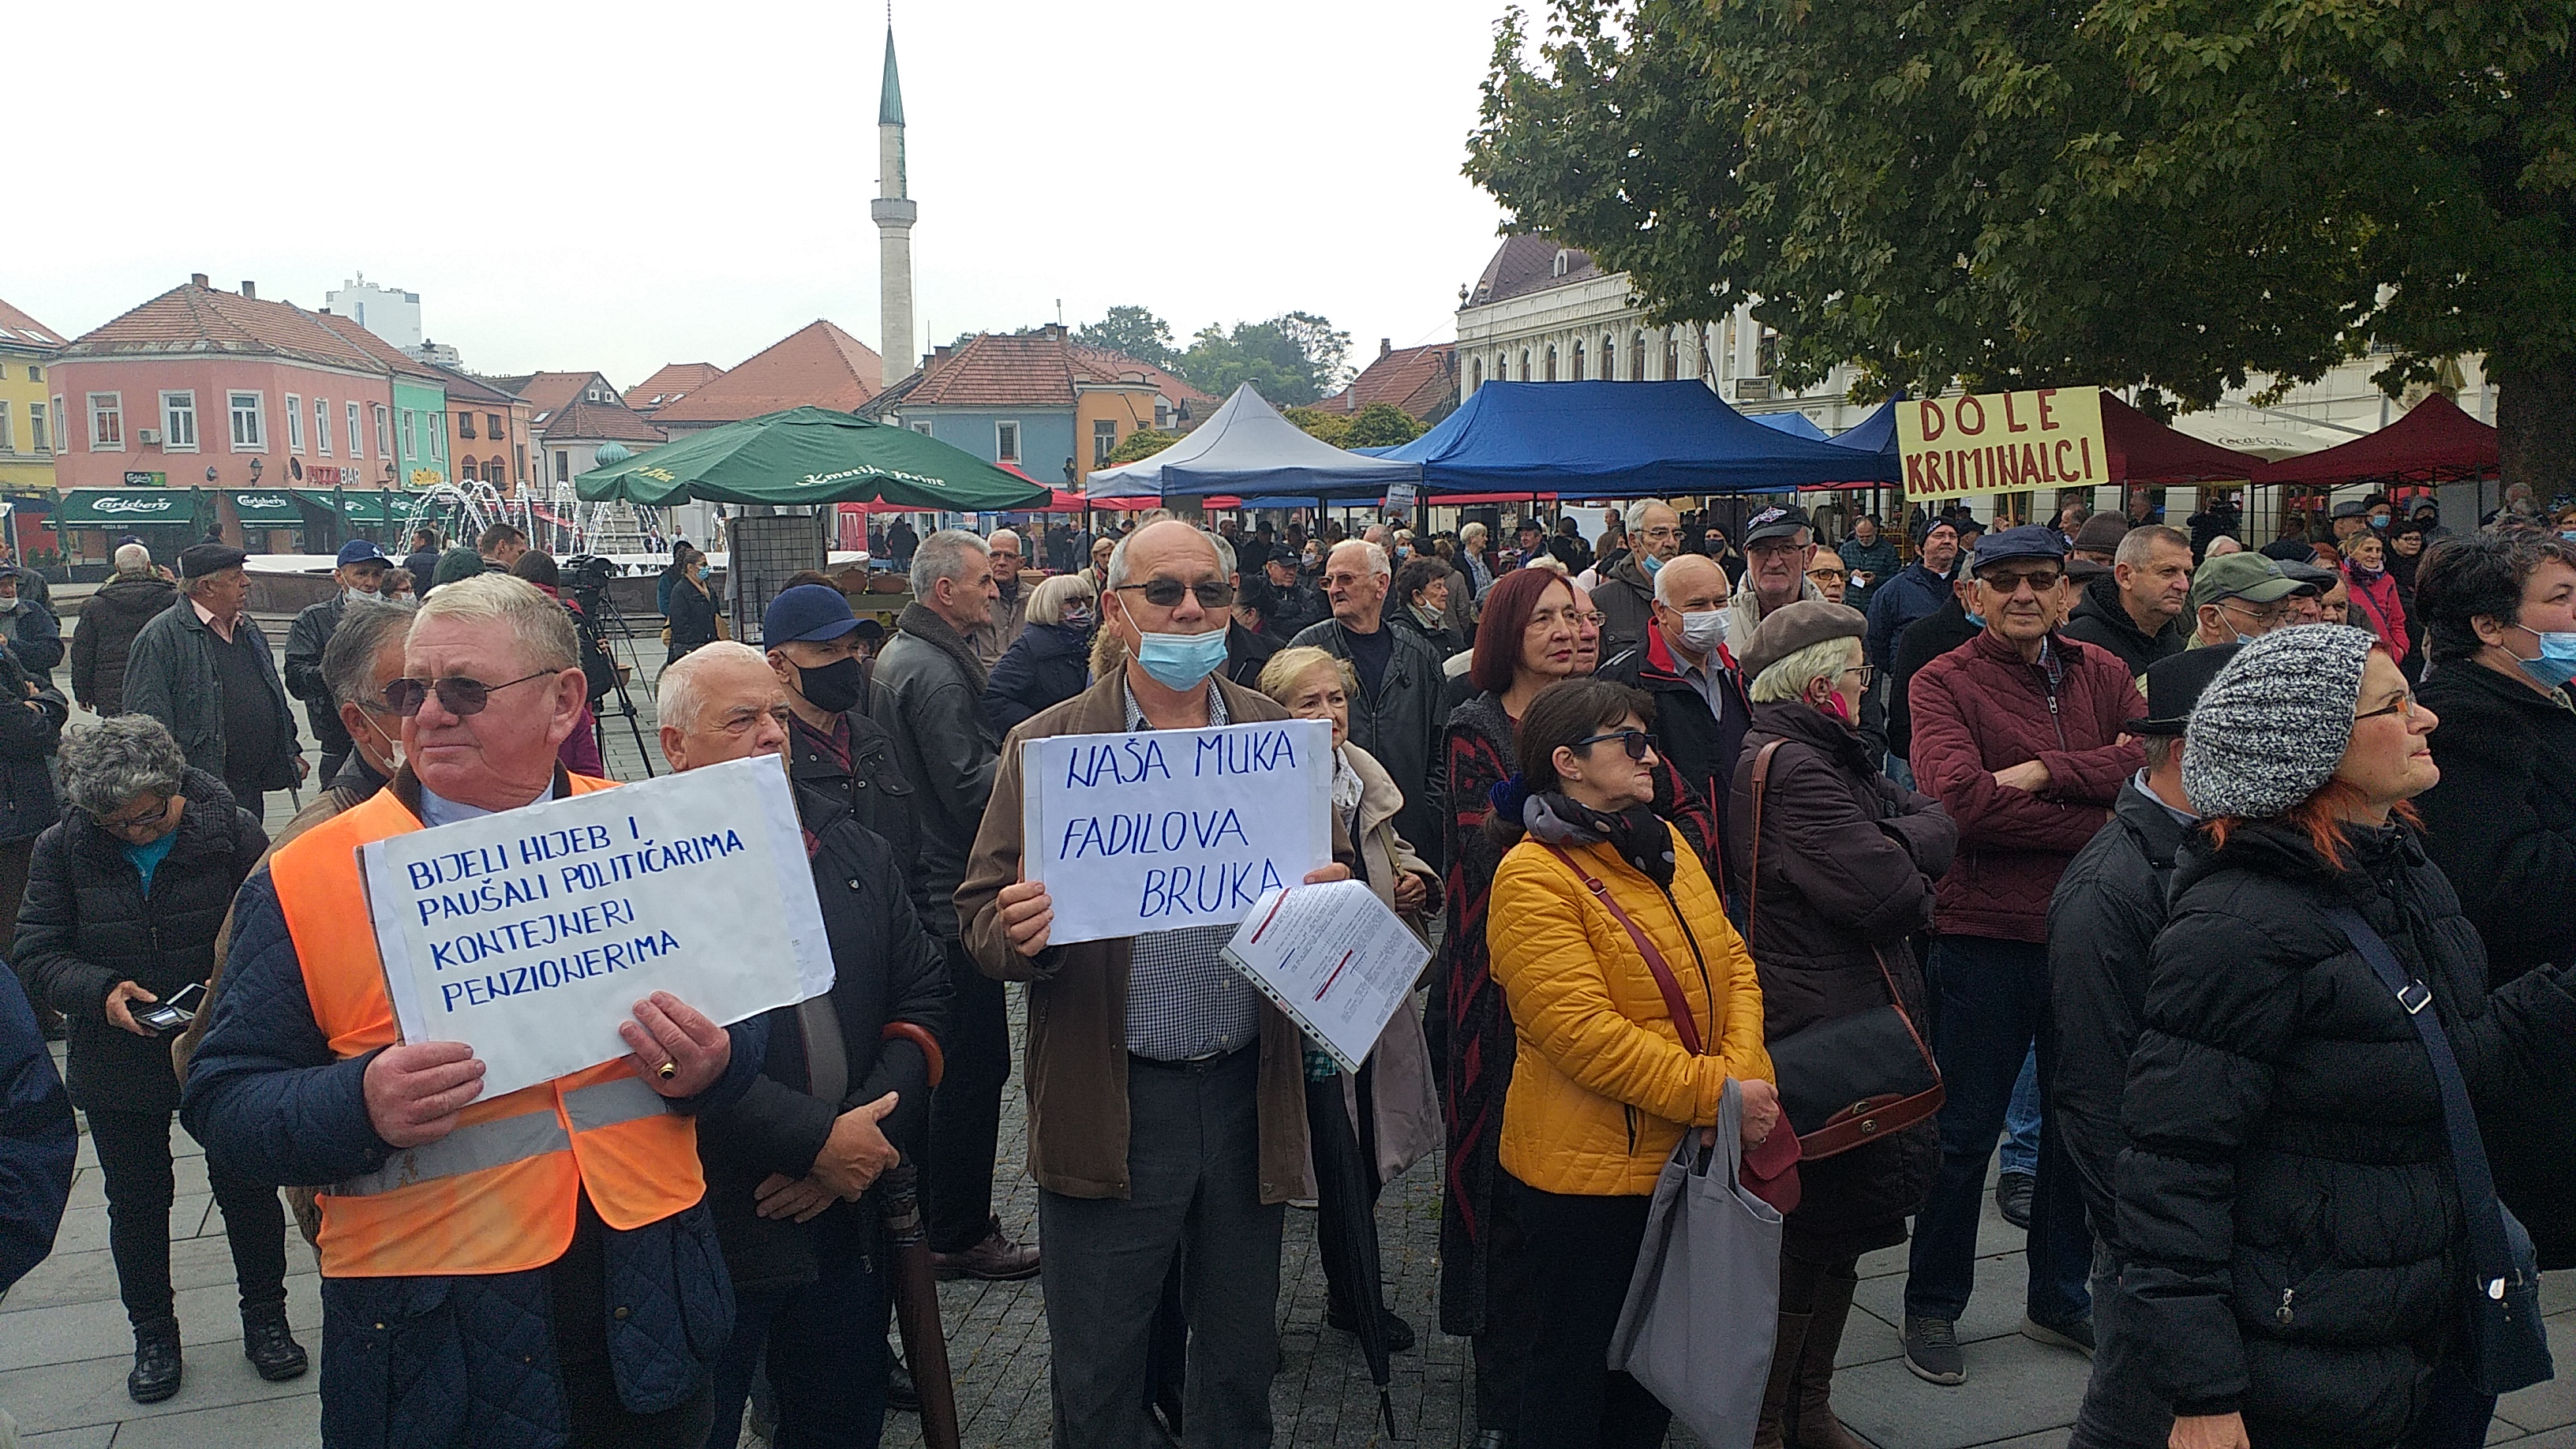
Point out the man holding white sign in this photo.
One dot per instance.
(537, 1268)
(1166, 1095)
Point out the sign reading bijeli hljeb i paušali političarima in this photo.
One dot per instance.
(2002, 442)
(1165, 829)
(531, 934)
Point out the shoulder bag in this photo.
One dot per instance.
(1856, 1078)
(2509, 1343)
(1770, 1170)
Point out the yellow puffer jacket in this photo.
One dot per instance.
(1601, 1086)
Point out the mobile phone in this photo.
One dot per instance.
(175, 1011)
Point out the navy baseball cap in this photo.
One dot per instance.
(808, 614)
(2031, 540)
(359, 550)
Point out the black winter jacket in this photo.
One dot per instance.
(171, 675)
(86, 925)
(2101, 620)
(1401, 728)
(453, 1362)
(34, 636)
(885, 968)
(2502, 825)
(1047, 665)
(28, 735)
(2293, 1231)
(1848, 862)
(871, 788)
(1922, 641)
(946, 748)
(1702, 746)
(109, 620)
(2102, 925)
(306, 638)
(692, 616)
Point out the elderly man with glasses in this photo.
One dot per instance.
(1626, 594)
(2021, 733)
(1166, 1094)
(2239, 596)
(1778, 544)
(1398, 712)
(534, 1269)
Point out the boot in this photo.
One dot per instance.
(156, 1362)
(1785, 1350)
(1812, 1424)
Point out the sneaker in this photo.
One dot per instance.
(2013, 1192)
(2077, 1335)
(994, 1260)
(1932, 1351)
(272, 1349)
(156, 1363)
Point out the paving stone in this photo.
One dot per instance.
(209, 1314)
(95, 1436)
(265, 1424)
(2014, 1387)
(2551, 1405)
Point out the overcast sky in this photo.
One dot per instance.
(615, 187)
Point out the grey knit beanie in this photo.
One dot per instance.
(2270, 729)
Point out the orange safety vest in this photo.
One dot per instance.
(499, 1193)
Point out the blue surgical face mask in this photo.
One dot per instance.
(1181, 661)
(2557, 662)
(1650, 563)
(1976, 620)
(2379, 520)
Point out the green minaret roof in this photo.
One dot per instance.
(890, 98)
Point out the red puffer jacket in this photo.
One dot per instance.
(1982, 708)
(2376, 607)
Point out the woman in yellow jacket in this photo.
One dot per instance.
(1602, 1088)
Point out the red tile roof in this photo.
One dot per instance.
(17, 326)
(993, 369)
(1421, 380)
(376, 347)
(552, 391)
(601, 421)
(818, 365)
(198, 319)
(1109, 365)
(1526, 262)
(674, 381)
(473, 389)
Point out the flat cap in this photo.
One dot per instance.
(200, 559)
(1793, 627)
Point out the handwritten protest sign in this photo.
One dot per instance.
(1165, 829)
(2003, 442)
(531, 934)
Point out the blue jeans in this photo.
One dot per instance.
(1992, 997)
(825, 1342)
(2021, 1120)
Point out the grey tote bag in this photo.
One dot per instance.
(1704, 1304)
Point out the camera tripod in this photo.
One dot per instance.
(599, 611)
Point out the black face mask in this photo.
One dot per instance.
(834, 687)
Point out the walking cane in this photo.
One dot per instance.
(916, 1288)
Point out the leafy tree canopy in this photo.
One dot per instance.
(1291, 359)
(1382, 425)
(1333, 428)
(1135, 331)
(2171, 193)
(1142, 443)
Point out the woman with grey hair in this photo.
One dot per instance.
(1046, 665)
(125, 896)
(1833, 865)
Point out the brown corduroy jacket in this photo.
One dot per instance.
(1076, 1071)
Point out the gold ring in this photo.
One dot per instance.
(668, 1070)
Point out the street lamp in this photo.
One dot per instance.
(255, 470)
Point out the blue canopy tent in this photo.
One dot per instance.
(1875, 433)
(1245, 447)
(1796, 425)
(1622, 440)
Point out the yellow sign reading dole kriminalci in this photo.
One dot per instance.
(2002, 442)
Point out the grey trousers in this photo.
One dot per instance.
(1194, 1189)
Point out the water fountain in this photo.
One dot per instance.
(554, 519)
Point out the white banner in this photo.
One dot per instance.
(1165, 829)
(531, 934)
(1334, 958)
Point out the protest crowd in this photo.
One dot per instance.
(2228, 891)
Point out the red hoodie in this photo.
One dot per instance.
(1982, 708)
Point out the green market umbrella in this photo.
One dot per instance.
(812, 455)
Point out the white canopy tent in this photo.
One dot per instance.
(1246, 447)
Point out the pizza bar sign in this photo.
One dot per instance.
(2003, 442)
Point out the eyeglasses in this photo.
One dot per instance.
(458, 695)
(1636, 742)
(1595, 618)
(1821, 575)
(1166, 593)
(2404, 704)
(128, 824)
(1868, 674)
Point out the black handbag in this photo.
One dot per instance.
(1854, 1079)
(2510, 1343)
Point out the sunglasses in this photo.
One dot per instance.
(1637, 743)
(458, 696)
(1166, 593)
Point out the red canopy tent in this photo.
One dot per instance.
(2146, 451)
(2434, 442)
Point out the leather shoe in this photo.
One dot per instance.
(1399, 1334)
(156, 1364)
(2013, 1192)
(996, 1259)
(902, 1395)
(273, 1350)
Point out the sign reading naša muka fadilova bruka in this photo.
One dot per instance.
(530, 935)
(1164, 829)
